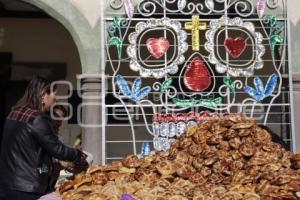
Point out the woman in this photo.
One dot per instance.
(29, 143)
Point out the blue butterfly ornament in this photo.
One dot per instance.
(260, 92)
(135, 93)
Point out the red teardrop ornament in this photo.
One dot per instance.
(197, 77)
(235, 47)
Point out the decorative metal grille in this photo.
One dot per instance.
(170, 57)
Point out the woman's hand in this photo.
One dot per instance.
(66, 165)
(80, 164)
(83, 157)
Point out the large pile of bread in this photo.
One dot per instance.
(226, 158)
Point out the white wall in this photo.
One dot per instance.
(294, 15)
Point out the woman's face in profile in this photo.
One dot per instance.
(49, 100)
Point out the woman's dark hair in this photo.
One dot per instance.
(37, 87)
(61, 108)
(57, 123)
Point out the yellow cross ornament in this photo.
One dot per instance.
(195, 26)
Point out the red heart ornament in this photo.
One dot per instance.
(197, 77)
(157, 47)
(235, 47)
